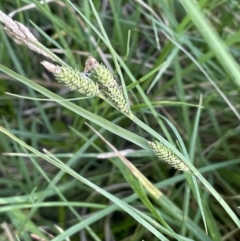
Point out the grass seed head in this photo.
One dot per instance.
(73, 79)
(107, 83)
(165, 154)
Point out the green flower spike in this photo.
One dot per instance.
(165, 154)
(109, 85)
(73, 79)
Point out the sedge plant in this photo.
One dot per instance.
(95, 80)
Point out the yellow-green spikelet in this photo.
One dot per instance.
(111, 88)
(165, 154)
(76, 80)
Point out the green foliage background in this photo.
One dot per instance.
(191, 50)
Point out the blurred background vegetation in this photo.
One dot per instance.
(195, 48)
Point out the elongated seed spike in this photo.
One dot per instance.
(111, 88)
(165, 154)
(108, 84)
(21, 34)
(73, 79)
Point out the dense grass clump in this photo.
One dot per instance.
(119, 120)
